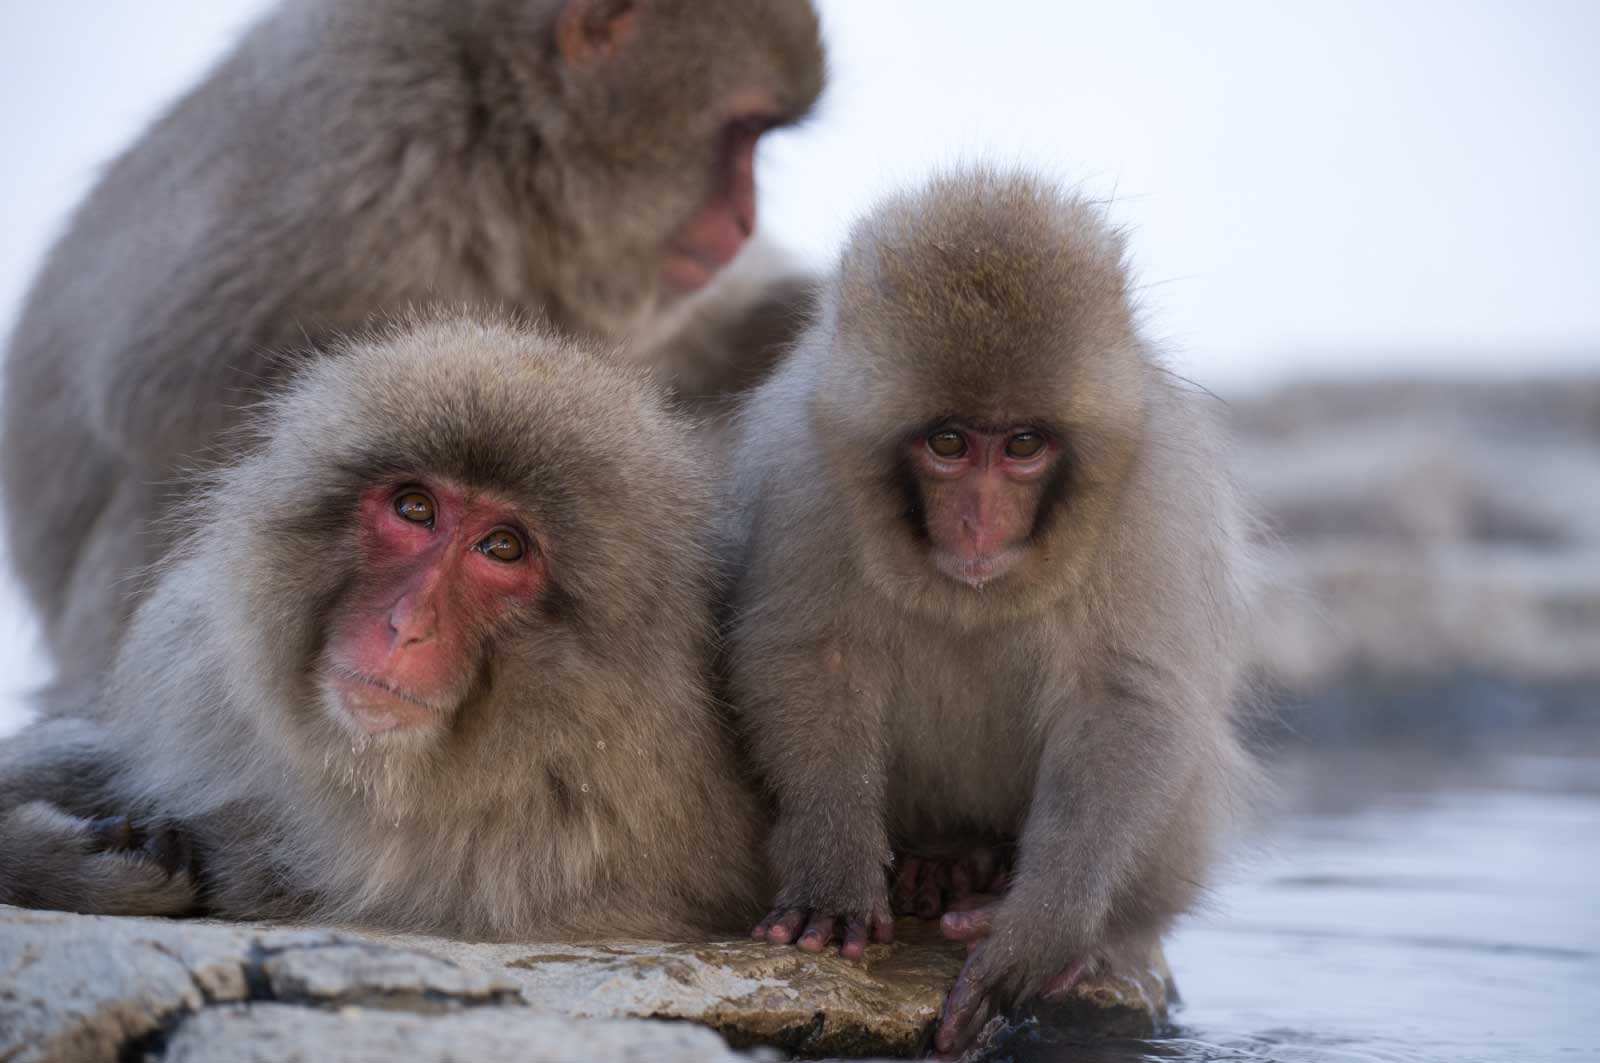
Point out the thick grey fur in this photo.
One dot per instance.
(347, 159)
(1084, 704)
(584, 787)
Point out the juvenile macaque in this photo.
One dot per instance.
(587, 161)
(990, 596)
(433, 656)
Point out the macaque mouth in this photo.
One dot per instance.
(380, 707)
(976, 572)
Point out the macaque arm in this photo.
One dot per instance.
(1110, 777)
(824, 751)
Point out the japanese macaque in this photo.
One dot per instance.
(432, 656)
(990, 595)
(587, 161)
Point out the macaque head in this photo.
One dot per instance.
(665, 102)
(983, 390)
(442, 523)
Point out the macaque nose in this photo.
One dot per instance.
(412, 621)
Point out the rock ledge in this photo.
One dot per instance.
(89, 988)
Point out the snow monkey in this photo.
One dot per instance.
(990, 594)
(433, 655)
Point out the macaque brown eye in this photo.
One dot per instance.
(502, 545)
(415, 507)
(1024, 445)
(947, 444)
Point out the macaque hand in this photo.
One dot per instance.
(985, 981)
(783, 925)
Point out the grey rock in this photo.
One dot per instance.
(379, 976)
(94, 988)
(278, 1033)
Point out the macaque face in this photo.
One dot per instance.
(983, 492)
(442, 568)
(727, 217)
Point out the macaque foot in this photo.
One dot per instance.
(105, 866)
(813, 929)
(926, 885)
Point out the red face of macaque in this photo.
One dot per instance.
(981, 491)
(443, 567)
(728, 218)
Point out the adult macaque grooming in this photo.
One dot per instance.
(588, 161)
(433, 656)
(989, 596)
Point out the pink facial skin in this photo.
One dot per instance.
(715, 235)
(980, 504)
(404, 653)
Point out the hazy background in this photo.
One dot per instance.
(1312, 188)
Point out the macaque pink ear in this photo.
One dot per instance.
(589, 30)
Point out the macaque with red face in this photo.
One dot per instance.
(586, 162)
(988, 612)
(434, 656)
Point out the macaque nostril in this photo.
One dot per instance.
(410, 624)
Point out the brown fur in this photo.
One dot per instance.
(347, 159)
(584, 788)
(1083, 703)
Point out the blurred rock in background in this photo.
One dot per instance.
(1433, 562)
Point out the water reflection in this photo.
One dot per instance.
(1411, 905)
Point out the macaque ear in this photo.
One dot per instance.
(590, 30)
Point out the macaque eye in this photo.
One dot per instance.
(1024, 445)
(415, 507)
(502, 544)
(947, 444)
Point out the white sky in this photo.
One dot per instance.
(1324, 187)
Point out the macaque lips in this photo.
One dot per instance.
(377, 708)
(443, 567)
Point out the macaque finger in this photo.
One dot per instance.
(781, 925)
(112, 833)
(906, 880)
(855, 938)
(930, 898)
(819, 931)
(970, 925)
(965, 1010)
(171, 850)
(960, 882)
(981, 865)
(1058, 987)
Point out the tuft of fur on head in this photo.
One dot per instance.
(1003, 299)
